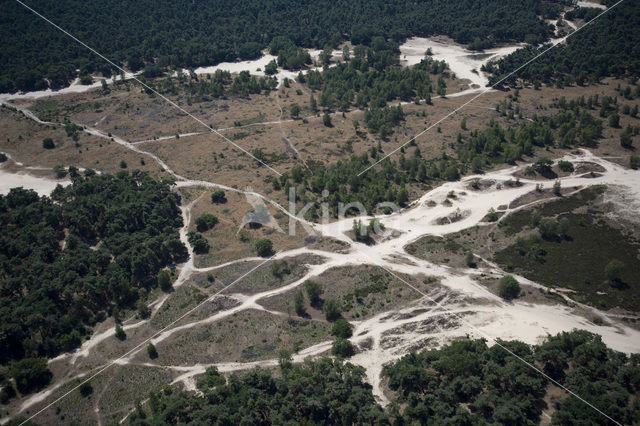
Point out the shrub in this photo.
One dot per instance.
(613, 270)
(152, 351)
(341, 328)
(314, 291)
(565, 166)
(120, 334)
(31, 374)
(264, 247)
(206, 221)
(342, 348)
(198, 242)
(164, 280)
(331, 309)
(47, 143)
(85, 389)
(298, 303)
(218, 197)
(508, 288)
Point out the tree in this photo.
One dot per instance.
(566, 166)
(164, 280)
(47, 143)
(218, 197)
(470, 260)
(508, 287)
(402, 198)
(548, 228)
(206, 221)
(285, 360)
(313, 104)
(198, 242)
(280, 268)
(294, 110)
(613, 270)
(314, 291)
(59, 171)
(264, 247)
(346, 55)
(492, 216)
(342, 328)
(85, 388)
(298, 303)
(152, 351)
(331, 308)
(144, 311)
(614, 120)
(342, 348)
(211, 378)
(625, 139)
(557, 189)
(271, 68)
(326, 119)
(31, 374)
(120, 334)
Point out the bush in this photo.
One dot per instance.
(31, 374)
(613, 270)
(314, 291)
(264, 247)
(85, 389)
(3, 157)
(634, 162)
(298, 303)
(218, 197)
(326, 119)
(206, 221)
(120, 334)
(342, 348)
(123, 164)
(152, 351)
(198, 242)
(342, 329)
(331, 309)
(566, 166)
(280, 268)
(47, 143)
(144, 311)
(164, 280)
(508, 288)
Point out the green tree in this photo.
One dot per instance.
(326, 119)
(342, 348)
(285, 360)
(218, 197)
(120, 334)
(557, 188)
(271, 68)
(47, 143)
(280, 268)
(206, 221)
(144, 311)
(613, 270)
(31, 374)
(298, 303)
(508, 287)
(123, 164)
(152, 351)
(313, 104)
(198, 242)
(85, 388)
(294, 110)
(314, 291)
(614, 120)
(331, 308)
(264, 247)
(342, 328)
(164, 280)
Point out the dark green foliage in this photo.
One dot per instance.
(565, 166)
(187, 35)
(47, 143)
(198, 242)
(508, 288)
(332, 309)
(280, 268)
(634, 162)
(613, 270)
(206, 221)
(218, 197)
(342, 348)
(144, 311)
(497, 388)
(298, 304)
(120, 334)
(134, 218)
(152, 351)
(317, 392)
(3, 157)
(264, 247)
(341, 328)
(31, 374)
(85, 389)
(605, 48)
(492, 216)
(211, 379)
(164, 280)
(123, 164)
(294, 110)
(326, 119)
(314, 291)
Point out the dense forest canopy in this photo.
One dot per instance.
(67, 259)
(610, 46)
(465, 382)
(189, 34)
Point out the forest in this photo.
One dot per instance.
(67, 260)
(464, 382)
(610, 46)
(182, 33)
(468, 382)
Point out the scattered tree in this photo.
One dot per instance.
(508, 288)
(218, 197)
(152, 351)
(314, 291)
(264, 247)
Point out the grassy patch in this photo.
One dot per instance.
(578, 262)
